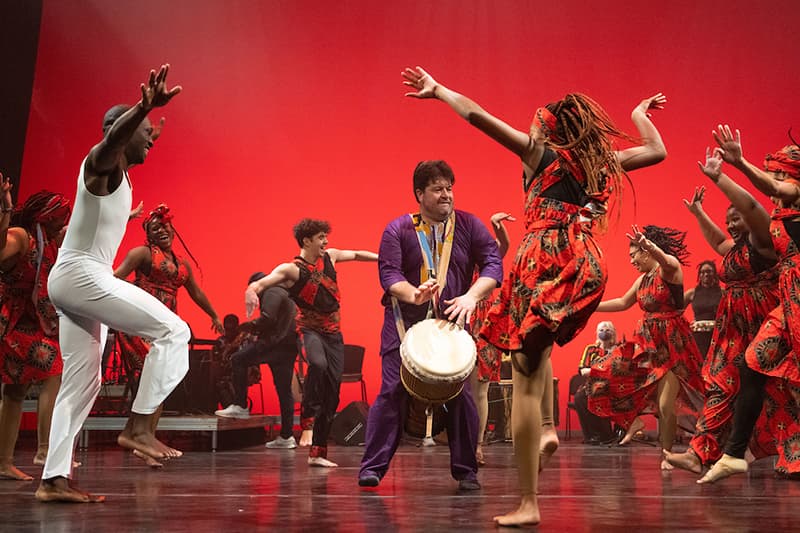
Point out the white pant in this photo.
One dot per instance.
(89, 299)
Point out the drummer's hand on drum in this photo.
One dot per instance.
(425, 292)
(460, 309)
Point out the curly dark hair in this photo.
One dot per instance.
(308, 227)
(713, 265)
(671, 241)
(36, 206)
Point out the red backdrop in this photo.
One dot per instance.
(295, 109)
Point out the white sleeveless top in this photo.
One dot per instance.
(98, 223)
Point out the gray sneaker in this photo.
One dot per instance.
(280, 442)
(233, 411)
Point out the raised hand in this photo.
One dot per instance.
(460, 309)
(136, 212)
(638, 239)
(5, 192)
(713, 166)
(656, 101)
(497, 218)
(695, 206)
(730, 145)
(157, 130)
(420, 80)
(154, 92)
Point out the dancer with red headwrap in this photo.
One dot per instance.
(570, 170)
(775, 351)
(160, 272)
(28, 324)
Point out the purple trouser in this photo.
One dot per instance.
(387, 416)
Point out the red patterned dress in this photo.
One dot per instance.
(167, 275)
(624, 384)
(489, 357)
(559, 274)
(28, 323)
(775, 349)
(750, 294)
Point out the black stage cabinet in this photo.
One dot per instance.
(196, 393)
(349, 427)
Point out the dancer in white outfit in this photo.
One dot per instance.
(89, 298)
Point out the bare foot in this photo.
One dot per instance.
(146, 443)
(149, 461)
(479, 456)
(548, 444)
(665, 466)
(726, 466)
(685, 461)
(305, 437)
(527, 513)
(59, 490)
(40, 457)
(9, 471)
(636, 426)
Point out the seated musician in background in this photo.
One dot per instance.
(270, 338)
(457, 242)
(221, 353)
(596, 429)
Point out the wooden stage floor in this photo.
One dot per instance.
(254, 489)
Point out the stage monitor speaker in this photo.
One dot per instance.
(195, 394)
(349, 427)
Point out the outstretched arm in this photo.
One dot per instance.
(199, 297)
(500, 232)
(341, 256)
(731, 147)
(754, 215)
(652, 150)
(105, 157)
(133, 261)
(622, 303)
(284, 275)
(714, 236)
(520, 143)
(670, 266)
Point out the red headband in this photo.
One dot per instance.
(160, 213)
(787, 160)
(547, 122)
(57, 207)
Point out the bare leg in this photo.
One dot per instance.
(58, 489)
(668, 388)
(636, 426)
(549, 440)
(10, 418)
(526, 424)
(480, 391)
(44, 416)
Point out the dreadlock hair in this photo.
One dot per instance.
(308, 227)
(585, 130)
(25, 216)
(669, 240)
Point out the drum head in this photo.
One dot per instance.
(438, 349)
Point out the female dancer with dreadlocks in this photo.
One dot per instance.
(570, 170)
(660, 369)
(160, 272)
(28, 324)
(775, 351)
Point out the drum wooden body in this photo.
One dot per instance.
(437, 357)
